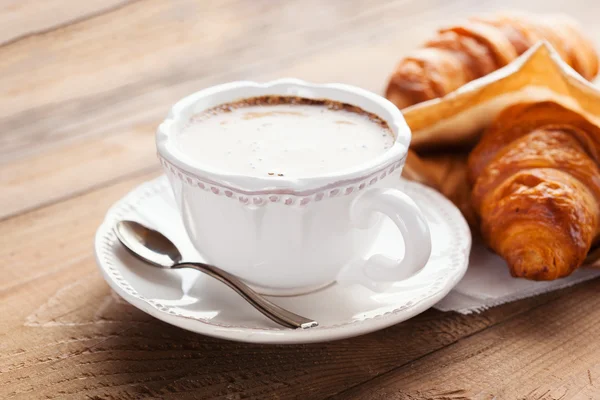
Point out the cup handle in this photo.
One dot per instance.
(379, 271)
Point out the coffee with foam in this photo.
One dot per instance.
(284, 136)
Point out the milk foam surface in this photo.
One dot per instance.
(292, 140)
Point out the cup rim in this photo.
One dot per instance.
(169, 153)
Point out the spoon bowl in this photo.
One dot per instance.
(149, 245)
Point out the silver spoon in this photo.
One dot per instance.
(154, 248)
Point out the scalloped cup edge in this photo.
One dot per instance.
(230, 92)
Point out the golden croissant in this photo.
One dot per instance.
(536, 188)
(481, 45)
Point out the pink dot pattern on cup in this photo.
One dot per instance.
(261, 199)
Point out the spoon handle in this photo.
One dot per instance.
(270, 310)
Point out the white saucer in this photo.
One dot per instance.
(196, 302)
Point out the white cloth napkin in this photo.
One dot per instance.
(487, 283)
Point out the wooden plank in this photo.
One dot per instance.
(550, 352)
(22, 18)
(69, 338)
(74, 168)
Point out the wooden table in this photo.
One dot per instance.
(83, 84)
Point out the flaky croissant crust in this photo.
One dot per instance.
(460, 54)
(536, 188)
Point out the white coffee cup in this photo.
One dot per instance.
(289, 236)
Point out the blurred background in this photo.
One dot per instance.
(85, 83)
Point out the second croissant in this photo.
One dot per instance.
(536, 188)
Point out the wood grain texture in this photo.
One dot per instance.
(83, 86)
(23, 18)
(548, 353)
(74, 168)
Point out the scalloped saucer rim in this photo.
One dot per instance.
(192, 301)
